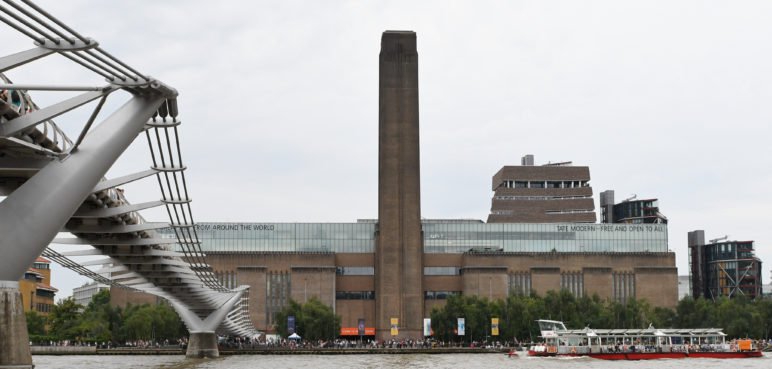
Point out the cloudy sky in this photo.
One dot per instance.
(663, 99)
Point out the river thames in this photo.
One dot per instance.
(453, 361)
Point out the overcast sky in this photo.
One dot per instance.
(279, 102)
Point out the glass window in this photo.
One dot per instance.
(355, 295)
(367, 270)
(449, 270)
(440, 295)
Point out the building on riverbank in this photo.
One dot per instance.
(85, 293)
(335, 262)
(37, 294)
(721, 267)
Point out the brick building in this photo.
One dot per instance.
(37, 294)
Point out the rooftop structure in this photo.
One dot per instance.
(629, 210)
(550, 193)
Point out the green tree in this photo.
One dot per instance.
(64, 319)
(158, 322)
(442, 324)
(96, 323)
(36, 323)
(313, 320)
(293, 309)
(138, 322)
(764, 309)
(664, 318)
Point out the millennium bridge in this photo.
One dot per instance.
(53, 183)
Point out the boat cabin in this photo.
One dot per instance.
(562, 341)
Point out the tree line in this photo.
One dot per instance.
(739, 316)
(517, 314)
(99, 322)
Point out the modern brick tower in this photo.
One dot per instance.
(550, 193)
(399, 246)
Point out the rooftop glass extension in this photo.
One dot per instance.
(439, 237)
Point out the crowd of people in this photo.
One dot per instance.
(138, 344)
(344, 343)
(245, 343)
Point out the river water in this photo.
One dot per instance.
(454, 361)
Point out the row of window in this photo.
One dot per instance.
(520, 283)
(729, 250)
(573, 282)
(277, 295)
(436, 236)
(370, 295)
(28, 276)
(541, 197)
(227, 279)
(430, 271)
(45, 293)
(355, 295)
(544, 184)
(502, 212)
(570, 211)
(440, 295)
(369, 271)
(43, 308)
(366, 270)
(623, 288)
(41, 266)
(447, 270)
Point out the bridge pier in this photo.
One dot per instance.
(203, 341)
(14, 341)
(202, 345)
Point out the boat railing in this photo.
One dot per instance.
(584, 350)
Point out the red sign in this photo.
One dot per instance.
(354, 331)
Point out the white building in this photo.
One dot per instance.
(683, 287)
(86, 292)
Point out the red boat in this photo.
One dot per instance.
(639, 344)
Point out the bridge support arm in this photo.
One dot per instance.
(32, 215)
(203, 340)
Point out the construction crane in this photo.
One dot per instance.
(633, 197)
(719, 239)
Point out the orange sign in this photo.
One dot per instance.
(353, 331)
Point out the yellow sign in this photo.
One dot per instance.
(494, 326)
(394, 326)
